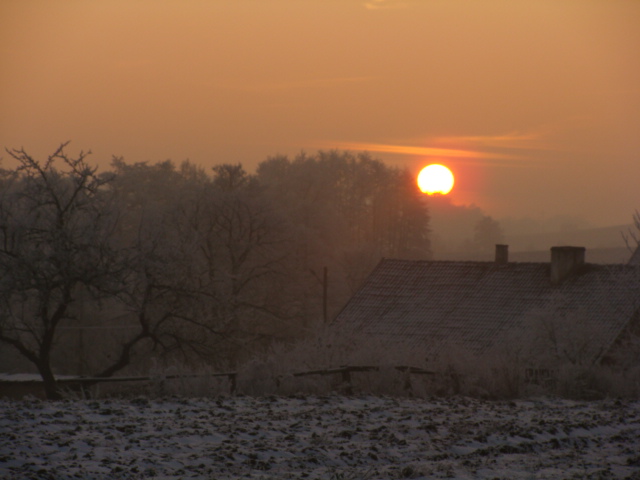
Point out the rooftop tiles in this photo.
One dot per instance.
(482, 305)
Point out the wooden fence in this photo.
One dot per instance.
(83, 385)
(346, 371)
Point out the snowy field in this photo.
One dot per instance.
(319, 437)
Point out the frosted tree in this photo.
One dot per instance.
(344, 212)
(72, 255)
(57, 227)
(207, 279)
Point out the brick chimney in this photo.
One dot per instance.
(565, 261)
(502, 253)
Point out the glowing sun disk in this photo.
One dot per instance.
(435, 179)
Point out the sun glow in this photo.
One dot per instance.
(435, 179)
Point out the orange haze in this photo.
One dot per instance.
(534, 104)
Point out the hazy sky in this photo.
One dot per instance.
(534, 104)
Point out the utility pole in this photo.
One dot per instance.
(80, 352)
(324, 281)
(325, 287)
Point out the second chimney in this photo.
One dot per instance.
(502, 253)
(564, 262)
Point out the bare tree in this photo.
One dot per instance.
(632, 236)
(74, 243)
(56, 229)
(207, 261)
(238, 250)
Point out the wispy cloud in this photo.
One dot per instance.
(421, 151)
(513, 140)
(510, 149)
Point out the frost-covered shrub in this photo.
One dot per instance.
(288, 368)
(596, 382)
(314, 366)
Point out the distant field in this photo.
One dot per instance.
(319, 437)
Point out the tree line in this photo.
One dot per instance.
(104, 271)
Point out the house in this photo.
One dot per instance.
(565, 309)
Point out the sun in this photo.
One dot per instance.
(435, 179)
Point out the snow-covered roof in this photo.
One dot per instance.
(475, 305)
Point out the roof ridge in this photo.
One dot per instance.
(501, 265)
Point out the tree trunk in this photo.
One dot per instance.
(50, 385)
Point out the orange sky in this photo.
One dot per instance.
(534, 104)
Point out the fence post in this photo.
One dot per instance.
(407, 382)
(232, 383)
(346, 380)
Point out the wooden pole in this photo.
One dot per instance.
(325, 285)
